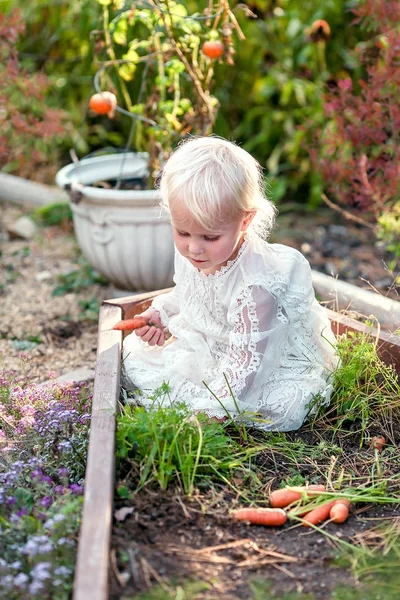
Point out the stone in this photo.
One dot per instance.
(84, 374)
(23, 228)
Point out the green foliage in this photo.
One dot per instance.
(278, 86)
(170, 446)
(30, 126)
(53, 214)
(79, 279)
(187, 590)
(389, 234)
(374, 561)
(365, 388)
(90, 309)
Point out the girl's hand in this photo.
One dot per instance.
(153, 333)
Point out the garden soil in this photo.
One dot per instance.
(167, 536)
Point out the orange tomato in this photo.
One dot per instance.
(213, 49)
(103, 103)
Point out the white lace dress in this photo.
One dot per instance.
(254, 323)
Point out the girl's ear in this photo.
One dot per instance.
(247, 220)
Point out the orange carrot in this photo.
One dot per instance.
(261, 516)
(284, 497)
(130, 324)
(344, 501)
(339, 512)
(319, 514)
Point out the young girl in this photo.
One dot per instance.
(242, 312)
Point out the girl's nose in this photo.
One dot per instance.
(195, 247)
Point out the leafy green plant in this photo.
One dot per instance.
(172, 447)
(90, 309)
(53, 214)
(278, 86)
(365, 388)
(79, 279)
(187, 590)
(388, 233)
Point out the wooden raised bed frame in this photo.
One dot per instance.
(92, 566)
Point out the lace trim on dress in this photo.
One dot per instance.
(223, 270)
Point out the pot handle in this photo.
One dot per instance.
(74, 191)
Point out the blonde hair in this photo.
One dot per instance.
(216, 180)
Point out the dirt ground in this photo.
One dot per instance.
(168, 538)
(172, 538)
(51, 332)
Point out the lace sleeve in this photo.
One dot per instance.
(258, 334)
(167, 305)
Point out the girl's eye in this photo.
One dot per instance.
(211, 239)
(182, 233)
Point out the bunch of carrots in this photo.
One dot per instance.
(291, 499)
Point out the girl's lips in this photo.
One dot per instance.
(198, 261)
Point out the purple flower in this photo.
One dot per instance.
(63, 472)
(21, 580)
(46, 501)
(76, 489)
(38, 544)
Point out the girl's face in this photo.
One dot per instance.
(208, 250)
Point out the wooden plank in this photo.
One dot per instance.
(132, 305)
(91, 576)
(31, 194)
(340, 295)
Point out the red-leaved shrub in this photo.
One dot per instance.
(358, 152)
(28, 127)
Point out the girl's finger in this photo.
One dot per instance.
(161, 339)
(142, 330)
(151, 337)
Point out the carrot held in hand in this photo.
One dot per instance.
(261, 516)
(284, 497)
(131, 324)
